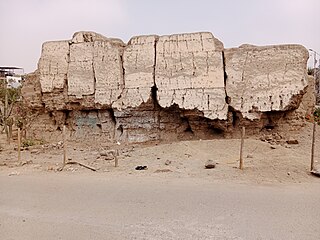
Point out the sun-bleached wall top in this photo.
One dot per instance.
(192, 71)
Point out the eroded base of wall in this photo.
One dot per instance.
(148, 123)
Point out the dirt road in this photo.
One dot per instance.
(87, 206)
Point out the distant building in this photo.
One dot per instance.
(12, 75)
(14, 81)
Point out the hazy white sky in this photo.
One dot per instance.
(26, 24)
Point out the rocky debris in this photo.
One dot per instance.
(37, 166)
(292, 141)
(50, 168)
(108, 154)
(210, 164)
(14, 173)
(263, 79)
(162, 170)
(316, 171)
(167, 162)
(55, 146)
(34, 151)
(141, 168)
(71, 169)
(250, 155)
(26, 162)
(273, 138)
(104, 153)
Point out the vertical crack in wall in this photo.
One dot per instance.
(123, 71)
(123, 82)
(122, 87)
(114, 121)
(225, 76)
(155, 61)
(243, 80)
(154, 88)
(94, 77)
(231, 112)
(68, 64)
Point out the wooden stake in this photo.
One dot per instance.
(82, 165)
(5, 111)
(64, 145)
(241, 147)
(116, 163)
(19, 145)
(312, 147)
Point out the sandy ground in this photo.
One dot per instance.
(274, 197)
(263, 163)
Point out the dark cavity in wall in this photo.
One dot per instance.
(120, 130)
(154, 90)
(113, 118)
(235, 118)
(188, 128)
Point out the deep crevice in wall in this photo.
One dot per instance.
(225, 76)
(114, 122)
(155, 60)
(123, 70)
(94, 77)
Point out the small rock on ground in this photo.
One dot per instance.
(292, 141)
(210, 164)
(168, 162)
(162, 170)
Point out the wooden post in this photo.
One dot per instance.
(64, 145)
(241, 147)
(116, 163)
(5, 112)
(312, 147)
(19, 145)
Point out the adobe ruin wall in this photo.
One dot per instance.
(163, 88)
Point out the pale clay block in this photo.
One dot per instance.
(262, 79)
(138, 65)
(189, 72)
(53, 65)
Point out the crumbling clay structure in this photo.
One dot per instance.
(183, 86)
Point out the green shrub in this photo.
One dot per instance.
(316, 115)
(31, 142)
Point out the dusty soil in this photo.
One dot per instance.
(264, 163)
(274, 197)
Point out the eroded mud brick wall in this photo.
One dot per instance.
(183, 86)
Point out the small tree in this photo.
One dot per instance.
(8, 98)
